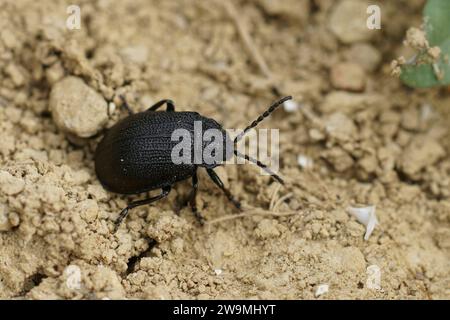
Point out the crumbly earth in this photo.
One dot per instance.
(368, 141)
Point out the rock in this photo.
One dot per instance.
(368, 163)
(365, 55)
(16, 74)
(349, 102)
(351, 259)
(293, 11)
(9, 38)
(267, 228)
(420, 153)
(340, 127)
(165, 226)
(411, 119)
(88, 210)
(5, 225)
(7, 145)
(97, 192)
(348, 21)
(106, 284)
(316, 134)
(77, 108)
(9, 184)
(54, 73)
(348, 76)
(339, 159)
(442, 238)
(14, 219)
(136, 54)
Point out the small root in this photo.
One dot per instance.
(273, 197)
(247, 40)
(281, 200)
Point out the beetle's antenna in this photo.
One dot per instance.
(259, 164)
(271, 109)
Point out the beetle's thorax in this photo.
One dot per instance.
(217, 146)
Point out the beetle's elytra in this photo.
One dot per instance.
(135, 155)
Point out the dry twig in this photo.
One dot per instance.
(247, 40)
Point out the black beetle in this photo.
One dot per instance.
(135, 155)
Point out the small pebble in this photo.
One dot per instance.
(5, 224)
(89, 210)
(348, 102)
(321, 289)
(348, 21)
(9, 184)
(111, 107)
(340, 126)
(348, 76)
(136, 54)
(77, 108)
(373, 281)
(290, 106)
(421, 153)
(304, 161)
(365, 55)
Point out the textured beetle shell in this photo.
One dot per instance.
(134, 156)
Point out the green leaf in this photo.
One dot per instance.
(424, 76)
(437, 18)
(437, 27)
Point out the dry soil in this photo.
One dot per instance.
(363, 138)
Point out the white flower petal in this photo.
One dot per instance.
(366, 216)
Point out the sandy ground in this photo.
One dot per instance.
(365, 140)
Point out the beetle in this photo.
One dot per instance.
(135, 154)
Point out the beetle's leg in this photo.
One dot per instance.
(215, 178)
(134, 204)
(170, 105)
(192, 199)
(126, 105)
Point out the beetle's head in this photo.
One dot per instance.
(218, 147)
